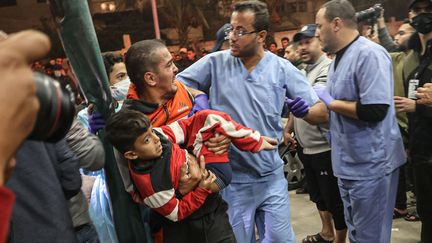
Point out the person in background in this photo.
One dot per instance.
(284, 43)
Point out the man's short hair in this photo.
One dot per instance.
(141, 58)
(260, 11)
(110, 59)
(342, 9)
(285, 38)
(124, 127)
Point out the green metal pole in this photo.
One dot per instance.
(80, 43)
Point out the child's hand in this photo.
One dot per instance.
(268, 143)
(207, 179)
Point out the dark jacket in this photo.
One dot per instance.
(420, 129)
(44, 177)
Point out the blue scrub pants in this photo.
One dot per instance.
(368, 206)
(265, 204)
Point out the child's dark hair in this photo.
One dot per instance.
(124, 127)
(110, 59)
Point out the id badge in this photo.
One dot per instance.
(412, 88)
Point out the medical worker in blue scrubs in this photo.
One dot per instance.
(367, 148)
(251, 84)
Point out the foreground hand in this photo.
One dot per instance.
(218, 144)
(323, 94)
(298, 107)
(404, 104)
(207, 180)
(200, 103)
(268, 144)
(18, 102)
(424, 94)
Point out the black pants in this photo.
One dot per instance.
(401, 197)
(209, 227)
(423, 179)
(322, 185)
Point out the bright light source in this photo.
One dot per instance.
(112, 7)
(104, 6)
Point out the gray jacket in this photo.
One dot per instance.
(312, 138)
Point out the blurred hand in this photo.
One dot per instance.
(190, 175)
(218, 144)
(424, 94)
(298, 107)
(18, 102)
(268, 144)
(95, 119)
(404, 104)
(324, 95)
(289, 139)
(200, 103)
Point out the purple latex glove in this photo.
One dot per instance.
(200, 103)
(323, 94)
(96, 122)
(298, 107)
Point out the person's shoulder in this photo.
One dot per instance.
(367, 49)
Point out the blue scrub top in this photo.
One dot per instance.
(253, 99)
(364, 150)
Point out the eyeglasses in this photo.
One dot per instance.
(238, 33)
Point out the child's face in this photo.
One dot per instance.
(146, 147)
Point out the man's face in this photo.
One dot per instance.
(418, 8)
(190, 55)
(309, 50)
(284, 44)
(273, 48)
(166, 71)
(404, 33)
(291, 54)
(248, 44)
(148, 146)
(118, 73)
(324, 32)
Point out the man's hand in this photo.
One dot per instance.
(424, 94)
(268, 144)
(298, 107)
(404, 104)
(18, 102)
(323, 94)
(289, 139)
(190, 175)
(218, 144)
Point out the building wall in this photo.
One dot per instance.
(25, 14)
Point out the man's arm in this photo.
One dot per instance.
(384, 37)
(194, 92)
(317, 114)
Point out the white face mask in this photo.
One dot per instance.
(120, 89)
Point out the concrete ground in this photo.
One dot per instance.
(306, 221)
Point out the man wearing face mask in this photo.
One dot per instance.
(417, 72)
(117, 75)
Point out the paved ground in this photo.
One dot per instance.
(306, 221)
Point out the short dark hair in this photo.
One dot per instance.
(124, 127)
(140, 58)
(285, 38)
(260, 11)
(342, 9)
(110, 59)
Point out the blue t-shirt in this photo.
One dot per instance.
(364, 150)
(253, 99)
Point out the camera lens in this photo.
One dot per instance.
(56, 112)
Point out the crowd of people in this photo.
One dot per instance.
(196, 136)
